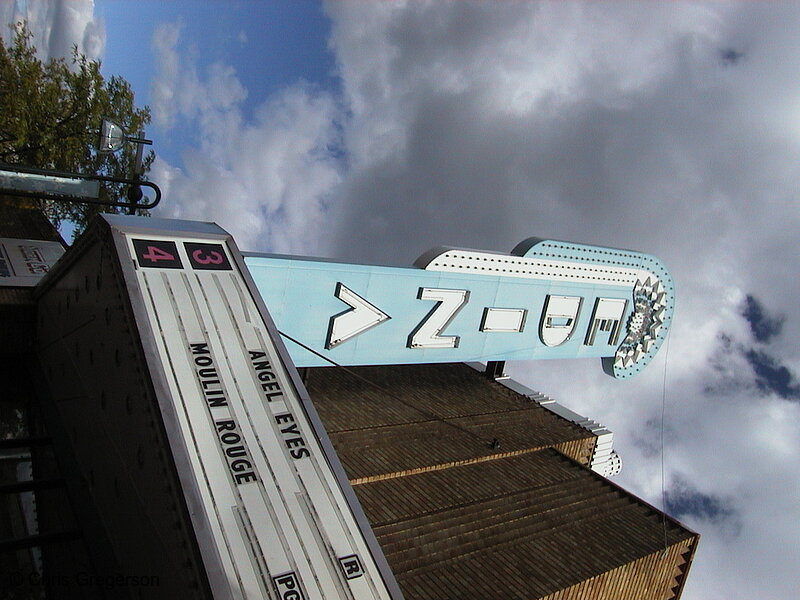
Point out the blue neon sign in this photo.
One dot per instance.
(547, 299)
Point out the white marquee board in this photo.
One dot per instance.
(281, 519)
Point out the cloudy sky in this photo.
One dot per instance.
(375, 130)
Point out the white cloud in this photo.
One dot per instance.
(165, 85)
(667, 128)
(179, 91)
(268, 180)
(57, 25)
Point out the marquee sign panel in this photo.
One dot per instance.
(281, 523)
(547, 299)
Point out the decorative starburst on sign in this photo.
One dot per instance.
(644, 324)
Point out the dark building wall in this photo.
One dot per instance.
(17, 307)
(41, 533)
(94, 379)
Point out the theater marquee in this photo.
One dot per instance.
(546, 299)
(280, 510)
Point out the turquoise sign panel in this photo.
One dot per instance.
(546, 299)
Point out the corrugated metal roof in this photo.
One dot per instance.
(461, 517)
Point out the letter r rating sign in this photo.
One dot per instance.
(351, 566)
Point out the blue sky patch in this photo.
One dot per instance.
(763, 325)
(685, 500)
(773, 377)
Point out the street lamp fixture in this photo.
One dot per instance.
(112, 138)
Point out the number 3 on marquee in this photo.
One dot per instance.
(207, 256)
(212, 258)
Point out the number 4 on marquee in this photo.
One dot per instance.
(159, 254)
(155, 254)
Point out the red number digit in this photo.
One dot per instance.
(212, 258)
(155, 254)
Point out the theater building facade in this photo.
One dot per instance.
(184, 419)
